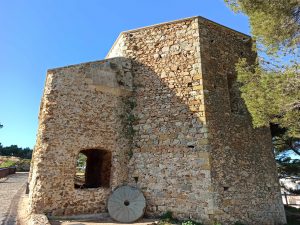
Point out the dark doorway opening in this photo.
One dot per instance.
(93, 169)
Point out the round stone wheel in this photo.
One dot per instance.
(126, 204)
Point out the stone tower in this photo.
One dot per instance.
(162, 112)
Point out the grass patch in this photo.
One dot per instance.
(22, 165)
(7, 163)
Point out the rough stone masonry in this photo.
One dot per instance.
(162, 112)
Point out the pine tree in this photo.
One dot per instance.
(271, 87)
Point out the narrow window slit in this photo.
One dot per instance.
(136, 179)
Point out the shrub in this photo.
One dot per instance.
(167, 219)
(167, 216)
(190, 222)
(23, 165)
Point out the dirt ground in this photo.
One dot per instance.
(106, 222)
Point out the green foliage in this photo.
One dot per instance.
(8, 163)
(238, 223)
(128, 118)
(167, 216)
(274, 23)
(130, 121)
(271, 87)
(81, 162)
(271, 97)
(291, 209)
(283, 141)
(131, 104)
(292, 221)
(23, 165)
(292, 215)
(131, 118)
(190, 222)
(288, 167)
(130, 153)
(14, 150)
(163, 222)
(167, 219)
(274, 97)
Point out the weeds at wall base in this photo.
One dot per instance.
(167, 219)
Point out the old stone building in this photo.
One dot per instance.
(162, 112)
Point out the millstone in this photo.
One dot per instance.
(126, 204)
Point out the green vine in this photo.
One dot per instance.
(128, 120)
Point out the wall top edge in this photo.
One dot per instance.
(172, 22)
(182, 20)
(83, 64)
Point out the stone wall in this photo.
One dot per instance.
(195, 151)
(82, 108)
(244, 175)
(170, 158)
(169, 110)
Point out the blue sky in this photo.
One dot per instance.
(38, 35)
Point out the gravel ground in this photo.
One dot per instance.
(11, 189)
(106, 222)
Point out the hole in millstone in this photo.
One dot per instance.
(126, 203)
